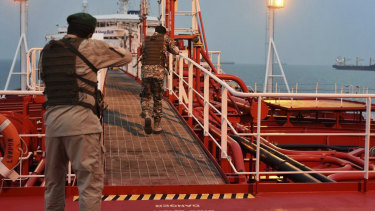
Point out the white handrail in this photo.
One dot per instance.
(175, 62)
(19, 92)
(226, 88)
(32, 70)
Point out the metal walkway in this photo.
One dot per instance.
(135, 158)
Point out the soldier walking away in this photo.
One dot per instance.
(73, 131)
(154, 56)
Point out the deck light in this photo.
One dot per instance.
(275, 4)
(268, 83)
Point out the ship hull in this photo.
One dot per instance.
(353, 67)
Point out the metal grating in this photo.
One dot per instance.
(135, 158)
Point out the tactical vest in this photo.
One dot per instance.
(60, 78)
(153, 53)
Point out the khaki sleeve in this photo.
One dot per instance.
(171, 47)
(103, 54)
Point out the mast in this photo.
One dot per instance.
(143, 18)
(85, 4)
(270, 36)
(123, 6)
(272, 52)
(21, 48)
(24, 6)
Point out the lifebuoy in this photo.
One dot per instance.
(12, 144)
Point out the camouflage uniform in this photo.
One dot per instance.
(153, 81)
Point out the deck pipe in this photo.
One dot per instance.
(344, 148)
(235, 101)
(295, 163)
(38, 170)
(234, 146)
(202, 32)
(324, 159)
(350, 176)
(347, 167)
(237, 79)
(357, 152)
(276, 162)
(213, 118)
(347, 156)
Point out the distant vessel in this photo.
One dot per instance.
(341, 65)
(227, 63)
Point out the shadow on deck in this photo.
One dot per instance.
(173, 157)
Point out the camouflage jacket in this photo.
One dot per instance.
(158, 71)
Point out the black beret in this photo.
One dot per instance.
(161, 29)
(82, 19)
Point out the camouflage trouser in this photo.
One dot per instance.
(152, 88)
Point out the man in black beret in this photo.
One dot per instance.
(72, 119)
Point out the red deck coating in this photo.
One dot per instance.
(264, 201)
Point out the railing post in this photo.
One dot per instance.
(296, 87)
(367, 138)
(316, 90)
(21, 161)
(190, 94)
(170, 75)
(28, 71)
(69, 173)
(34, 69)
(206, 104)
(258, 141)
(341, 99)
(219, 62)
(180, 82)
(224, 123)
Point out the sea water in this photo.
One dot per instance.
(306, 78)
(5, 66)
(300, 78)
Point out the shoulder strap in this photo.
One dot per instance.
(75, 51)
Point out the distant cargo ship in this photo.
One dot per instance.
(341, 65)
(227, 63)
(354, 67)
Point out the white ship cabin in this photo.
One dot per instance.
(117, 29)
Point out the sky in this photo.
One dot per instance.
(307, 32)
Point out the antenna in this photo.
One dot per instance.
(85, 4)
(123, 9)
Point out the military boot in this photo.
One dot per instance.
(148, 128)
(157, 127)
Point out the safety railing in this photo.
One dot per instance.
(185, 99)
(217, 55)
(21, 177)
(33, 79)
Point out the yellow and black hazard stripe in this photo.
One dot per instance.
(134, 197)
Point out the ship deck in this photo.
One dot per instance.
(171, 171)
(173, 157)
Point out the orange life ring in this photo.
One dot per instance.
(12, 144)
